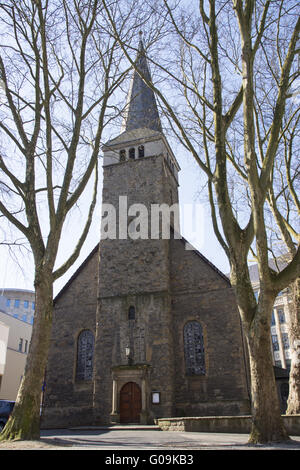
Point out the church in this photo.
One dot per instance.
(145, 328)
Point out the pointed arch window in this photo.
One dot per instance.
(141, 151)
(85, 356)
(122, 155)
(194, 353)
(131, 313)
(132, 153)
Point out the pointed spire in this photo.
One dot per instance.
(141, 107)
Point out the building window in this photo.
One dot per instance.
(132, 153)
(26, 345)
(122, 155)
(281, 316)
(194, 349)
(20, 344)
(285, 340)
(33, 305)
(141, 150)
(131, 313)
(275, 343)
(17, 303)
(26, 303)
(85, 356)
(273, 319)
(7, 302)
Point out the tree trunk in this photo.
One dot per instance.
(267, 423)
(294, 337)
(24, 422)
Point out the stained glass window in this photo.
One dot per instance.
(85, 355)
(194, 349)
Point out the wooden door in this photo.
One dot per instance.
(130, 403)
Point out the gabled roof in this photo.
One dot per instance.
(96, 249)
(77, 272)
(200, 255)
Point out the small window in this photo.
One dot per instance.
(132, 153)
(26, 303)
(275, 343)
(122, 155)
(273, 319)
(141, 150)
(17, 303)
(20, 344)
(285, 340)
(131, 313)
(7, 302)
(281, 316)
(33, 305)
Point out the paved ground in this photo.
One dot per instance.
(126, 438)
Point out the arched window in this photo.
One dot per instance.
(122, 155)
(131, 313)
(141, 150)
(194, 349)
(132, 153)
(85, 356)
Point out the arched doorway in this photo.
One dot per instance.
(130, 403)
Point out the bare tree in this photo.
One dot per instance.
(231, 65)
(59, 67)
(284, 203)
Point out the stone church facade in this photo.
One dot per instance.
(146, 328)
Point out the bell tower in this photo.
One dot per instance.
(134, 342)
(146, 328)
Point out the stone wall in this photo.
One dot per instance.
(226, 424)
(201, 293)
(66, 401)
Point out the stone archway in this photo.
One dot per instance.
(130, 403)
(121, 376)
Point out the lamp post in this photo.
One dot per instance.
(127, 352)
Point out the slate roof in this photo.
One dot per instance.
(141, 107)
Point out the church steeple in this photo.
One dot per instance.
(141, 107)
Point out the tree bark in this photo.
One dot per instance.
(267, 423)
(24, 422)
(294, 335)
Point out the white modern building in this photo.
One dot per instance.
(16, 318)
(19, 303)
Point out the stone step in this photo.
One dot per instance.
(118, 427)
